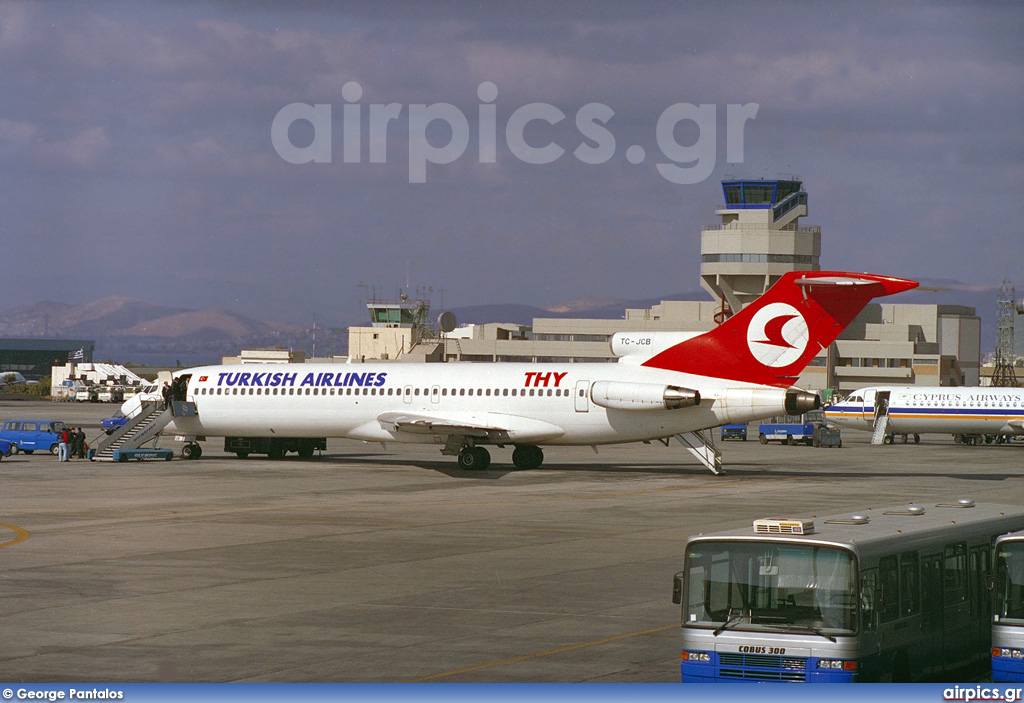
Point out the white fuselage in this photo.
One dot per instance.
(941, 409)
(542, 404)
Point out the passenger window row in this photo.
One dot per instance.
(485, 392)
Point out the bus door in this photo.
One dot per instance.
(931, 644)
(979, 563)
(956, 611)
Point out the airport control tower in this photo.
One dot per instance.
(758, 240)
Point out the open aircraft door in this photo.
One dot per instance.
(881, 408)
(582, 396)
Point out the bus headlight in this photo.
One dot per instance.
(840, 664)
(696, 656)
(1007, 652)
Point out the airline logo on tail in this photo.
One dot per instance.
(772, 339)
(777, 335)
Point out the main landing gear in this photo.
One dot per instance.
(474, 459)
(192, 450)
(524, 456)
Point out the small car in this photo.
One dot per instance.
(734, 432)
(29, 435)
(111, 424)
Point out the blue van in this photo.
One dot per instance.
(30, 435)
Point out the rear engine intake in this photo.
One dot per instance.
(620, 395)
(800, 402)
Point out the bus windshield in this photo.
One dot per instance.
(1010, 583)
(770, 586)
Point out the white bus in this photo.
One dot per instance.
(1008, 614)
(895, 594)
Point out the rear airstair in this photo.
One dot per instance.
(703, 449)
(144, 426)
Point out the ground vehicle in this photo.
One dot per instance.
(274, 447)
(787, 429)
(825, 436)
(111, 424)
(883, 595)
(30, 435)
(734, 432)
(1008, 615)
(5, 448)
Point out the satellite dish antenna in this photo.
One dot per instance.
(446, 322)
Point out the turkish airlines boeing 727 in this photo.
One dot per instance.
(667, 384)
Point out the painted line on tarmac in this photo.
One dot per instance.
(22, 535)
(537, 655)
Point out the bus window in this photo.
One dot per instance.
(770, 587)
(954, 573)
(980, 569)
(1010, 582)
(868, 592)
(909, 587)
(931, 590)
(889, 600)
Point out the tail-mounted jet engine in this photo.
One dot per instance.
(621, 395)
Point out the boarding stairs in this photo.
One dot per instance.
(144, 426)
(881, 428)
(703, 448)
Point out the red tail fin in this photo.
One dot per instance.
(772, 339)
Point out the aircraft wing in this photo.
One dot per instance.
(496, 427)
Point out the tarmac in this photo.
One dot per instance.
(371, 564)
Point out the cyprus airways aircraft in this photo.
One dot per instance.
(971, 415)
(666, 385)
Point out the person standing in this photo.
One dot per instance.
(78, 444)
(62, 445)
(166, 392)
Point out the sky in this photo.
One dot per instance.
(179, 152)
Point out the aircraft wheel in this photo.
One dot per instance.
(474, 459)
(888, 439)
(190, 451)
(906, 439)
(527, 456)
(917, 438)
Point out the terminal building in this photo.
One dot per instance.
(33, 358)
(758, 239)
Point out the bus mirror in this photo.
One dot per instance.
(677, 588)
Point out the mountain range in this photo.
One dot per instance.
(123, 325)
